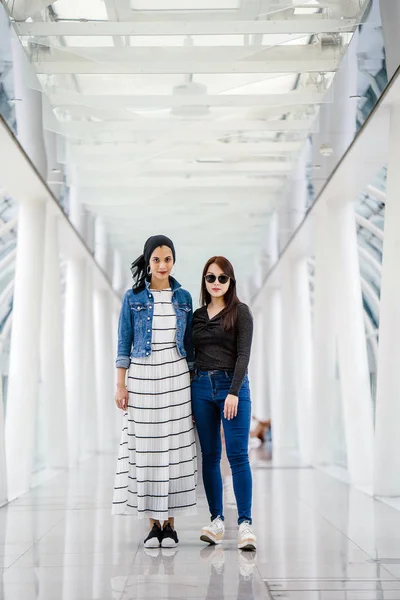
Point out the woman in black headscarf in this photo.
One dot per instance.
(156, 468)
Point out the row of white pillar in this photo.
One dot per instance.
(61, 351)
(311, 375)
(62, 359)
(312, 362)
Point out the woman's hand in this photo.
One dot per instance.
(121, 397)
(231, 406)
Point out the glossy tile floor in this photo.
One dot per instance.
(318, 540)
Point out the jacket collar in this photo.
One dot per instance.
(172, 281)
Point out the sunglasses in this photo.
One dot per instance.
(221, 278)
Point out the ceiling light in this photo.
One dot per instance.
(209, 160)
(189, 88)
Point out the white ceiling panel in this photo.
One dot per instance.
(186, 117)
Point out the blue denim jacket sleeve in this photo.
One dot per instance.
(188, 343)
(125, 334)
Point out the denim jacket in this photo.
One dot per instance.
(136, 324)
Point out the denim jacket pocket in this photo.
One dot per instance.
(137, 307)
(184, 307)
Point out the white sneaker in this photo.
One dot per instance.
(213, 533)
(246, 538)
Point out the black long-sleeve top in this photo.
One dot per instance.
(217, 349)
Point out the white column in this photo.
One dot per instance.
(74, 353)
(101, 244)
(104, 361)
(301, 312)
(104, 352)
(287, 436)
(352, 345)
(257, 367)
(387, 456)
(118, 281)
(324, 392)
(274, 368)
(52, 351)
(89, 435)
(272, 315)
(75, 319)
(302, 354)
(24, 370)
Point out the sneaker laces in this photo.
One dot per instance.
(245, 529)
(217, 525)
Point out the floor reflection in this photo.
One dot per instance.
(318, 539)
(163, 570)
(215, 556)
(162, 560)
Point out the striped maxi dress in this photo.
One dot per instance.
(157, 464)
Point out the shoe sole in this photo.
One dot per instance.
(247, 546)
(206, 537)
(153, 543)
(168, 543)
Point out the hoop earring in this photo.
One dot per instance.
(149, 270)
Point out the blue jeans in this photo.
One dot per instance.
(209, 390)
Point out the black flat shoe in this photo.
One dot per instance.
(153, 540)
(169, 537)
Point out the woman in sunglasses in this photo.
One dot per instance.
(222, 334)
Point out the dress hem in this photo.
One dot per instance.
(150, 514)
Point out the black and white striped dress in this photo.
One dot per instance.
(157, 468)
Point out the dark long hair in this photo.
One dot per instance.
(229, 314)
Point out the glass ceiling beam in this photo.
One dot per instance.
(84, 128)
(130, 152)
(67, 98)
(218, 59)
(295, 25)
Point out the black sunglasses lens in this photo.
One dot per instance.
(221, 278)
(210, 278)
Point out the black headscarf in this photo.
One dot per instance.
(139, 266)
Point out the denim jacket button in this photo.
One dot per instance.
(148, 318)
(149, 331)
(147, 353)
